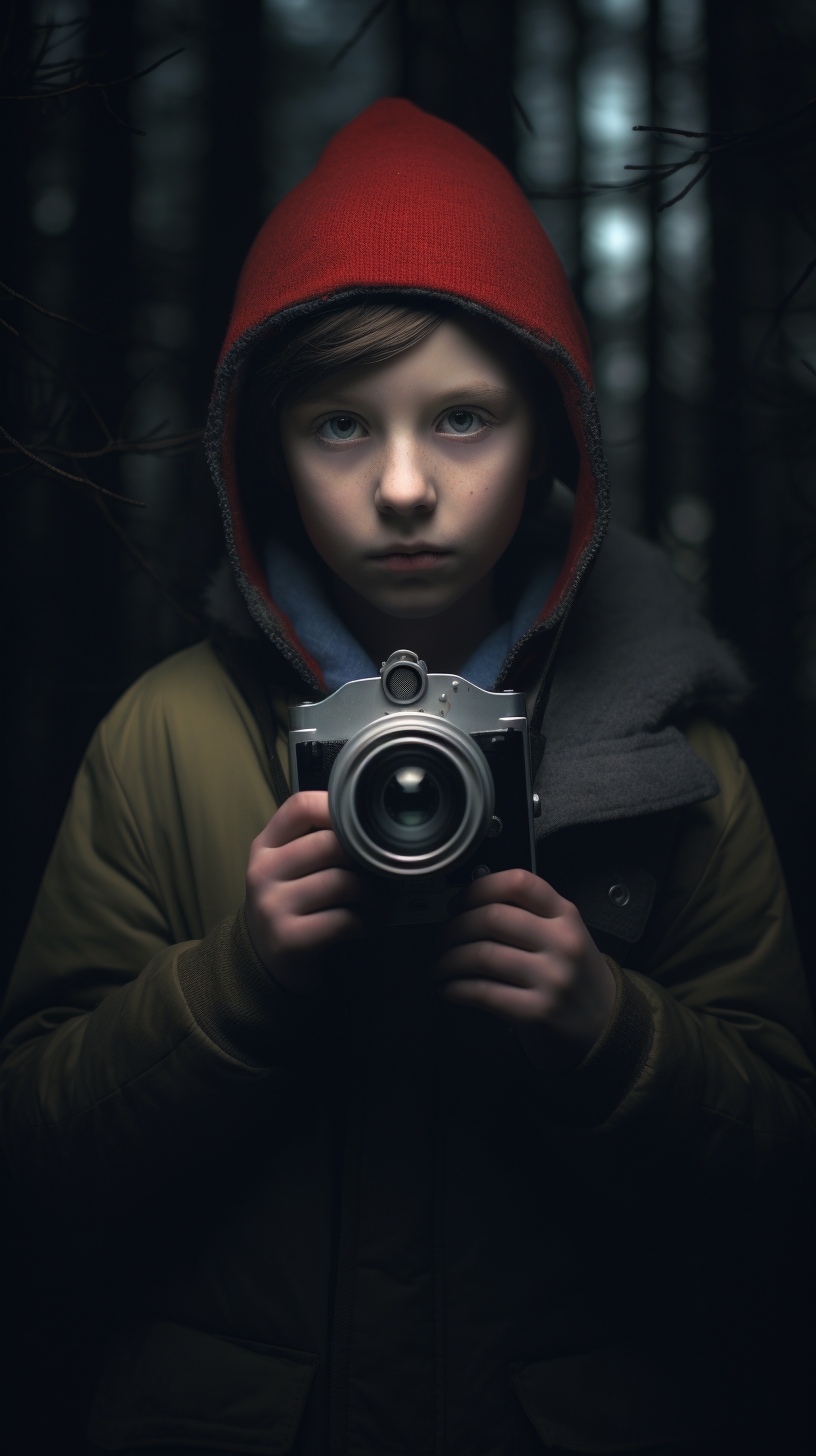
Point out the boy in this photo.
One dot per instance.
(362, 1191)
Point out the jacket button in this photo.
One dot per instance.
(619, 895)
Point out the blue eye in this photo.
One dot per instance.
(339, 427)
(462, 422)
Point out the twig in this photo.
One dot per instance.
(142, 561)
(778, 314)
(732, 137)
(93, 85)
(364, 25)
(698, 177)
(86, 398)
(114, 444)
(801, 280)
(118, 447)
(652, 174)
(60, 317)
(521, 111)
(79, 479)
(135, 130)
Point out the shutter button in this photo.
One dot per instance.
(619, 895)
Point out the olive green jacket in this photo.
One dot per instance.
(355, 1222)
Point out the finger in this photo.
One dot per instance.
(504, 923)
(510, 1002)
(488, 960)
(512, 887)
(326, 927)
(299, 815)
(305, 856)
(328, 889)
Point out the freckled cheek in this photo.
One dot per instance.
(333, 513)
(493, 495)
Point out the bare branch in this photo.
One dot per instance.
(173, 444)
(79, 479)
(698, 177)
(779, 311)
(679, 131)
(49, 93)
(653, 173)
(145, 565)
(105, 102)
(526, 122)
(365, 23)
(730, 138)
(802, 279)
(60, 317)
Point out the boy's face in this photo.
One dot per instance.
(410, 476)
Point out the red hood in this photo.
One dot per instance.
(402, 201)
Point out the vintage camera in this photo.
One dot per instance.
(428, 779)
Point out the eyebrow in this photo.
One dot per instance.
(471, 387)
(480, 386)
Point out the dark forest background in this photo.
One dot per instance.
(143, 144)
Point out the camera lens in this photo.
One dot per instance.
(410, 799)
(411, 796)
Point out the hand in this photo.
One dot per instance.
(518, 950)
(300, 892)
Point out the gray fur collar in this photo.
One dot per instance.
(637, 660)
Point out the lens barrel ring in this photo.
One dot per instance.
(455, 753)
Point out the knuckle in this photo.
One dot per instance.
(572, 941)
(559, 980)
(254, 878)
(489, 954)
(518, 880)
(496, 917)
(568, 933)
(571, 916)
(335, 881)
(294, 931)
(316, 846)
(261, 871)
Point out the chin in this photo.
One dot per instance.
(413, 611)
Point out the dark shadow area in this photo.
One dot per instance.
(131, 193)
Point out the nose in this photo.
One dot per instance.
(405, 486)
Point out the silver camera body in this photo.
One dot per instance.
(428, 779)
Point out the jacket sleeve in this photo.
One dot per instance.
(701, 1076)
(116, 1020)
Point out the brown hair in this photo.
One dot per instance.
(341, 336)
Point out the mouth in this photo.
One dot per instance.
(418, 557)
